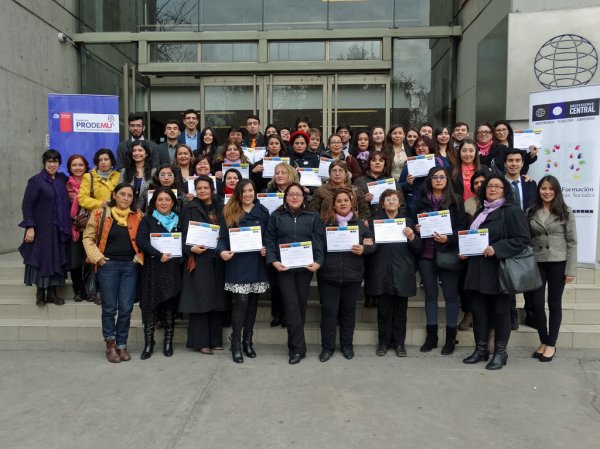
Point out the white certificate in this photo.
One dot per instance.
(341, 238)
(297, 254)
(271, 200)
(226, 198)
(419, 166)
(202, 234)
(377, 188)
(324, 164)
(473, 242)
(435, 222)
(390, 230)
(244, 169)
(254, 154)
(167, 243)
(192, 187)
(524, 138)
(309, 177)
(245, 240)
(269, 164)
(151, 194)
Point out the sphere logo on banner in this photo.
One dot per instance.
(565, 61)
(569, 119)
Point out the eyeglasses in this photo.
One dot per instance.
(484, 132)
(166, 175)
(501, 130)
(52, 161)
(438, 178)
(295, 195)
(494, 187)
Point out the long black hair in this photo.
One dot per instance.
(448, 195)
(168, 191)
(129, 173)
(558, 206)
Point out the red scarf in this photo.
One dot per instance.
(484, 148)
(74, 184)
(228, 190)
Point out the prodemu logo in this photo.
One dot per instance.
(95, 123)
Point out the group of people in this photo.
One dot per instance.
(104, 219)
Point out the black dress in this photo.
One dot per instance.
(160, 282)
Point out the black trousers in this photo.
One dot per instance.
(553, 274)
(205, 330)
(243, 315)
(391, 319)
(491, 310)
(294, 285)
(276, 302)
(338, 304)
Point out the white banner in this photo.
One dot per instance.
(570, 121)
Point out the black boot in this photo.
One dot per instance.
(169, 325)
(51, 296)
(451, 341)
(236, 350)
(432, 338)
(78, 289)
(149, 326)
(499, 358)
(480, 353)
(40, 297)
(248, 348)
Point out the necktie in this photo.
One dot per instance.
(515, 185)
(253, 143)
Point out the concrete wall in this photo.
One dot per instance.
(33, 64)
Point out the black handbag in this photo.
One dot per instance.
(519, 273)
(447, 259)
(90, 282)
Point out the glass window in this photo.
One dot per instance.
(362, 13)
(174, 52)
(420, 67)
(296, 51)
(293, 101)
(230, 52)
(236, 15)
(227, 106)
(355, 50)
(361, 105)
(169, 15)
(286, 15)
(110, 15)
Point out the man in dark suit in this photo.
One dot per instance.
(523, 191)
(166, 150)
(136, 132)
(252, 136)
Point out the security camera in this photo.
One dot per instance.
(62, 37)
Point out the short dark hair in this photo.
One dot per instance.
(457, 124)
(304, 119)
(425, 124)
(509, 151)
(122, 185)
(478, 174)
(51, 155)
(508, 191)
(190, 111)
(102, 151)
(252, 116)
(172, 122)
(157, 191)
(343, 126)
(136, 116)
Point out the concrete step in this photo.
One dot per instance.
(571, 336)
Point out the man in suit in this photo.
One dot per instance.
(253, 137)
(190, 135)
(523, 191)
(166, 150)
(136, 132)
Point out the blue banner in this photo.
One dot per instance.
(82, 124)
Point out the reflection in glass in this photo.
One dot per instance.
(172, 15)
(364, 13)
(286, 15)
(361, 105)
(235, 15)
(230, 52)
(296, 51)
(293, 101)
(355, 50)
(173, 52)
(227, 106)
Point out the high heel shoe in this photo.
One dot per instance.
(543, 358)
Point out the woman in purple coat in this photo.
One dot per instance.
(47, 224)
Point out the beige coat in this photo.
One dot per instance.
(555, 240)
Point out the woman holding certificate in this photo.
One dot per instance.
(441, 215)
(508, 235)
(232, 154)
(202, 290)
(275, 149)
(138, 172)
(554, 237)
(240, 246)
(109, 242)
(295, 248)
(161, 273)
(335, 153)
(348, 241)
(391, 272)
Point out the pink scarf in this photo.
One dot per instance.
(343, 220)
(488, 208)
(484, 148)
(74, 184)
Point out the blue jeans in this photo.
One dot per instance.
(118, 282)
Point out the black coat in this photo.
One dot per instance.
(509, 235)
(159, 281)
(345, 266)
(362, 184)
(391, 269)
(284, 227)
(458, 218)
(202, 289)
(304, 160)
(245, 268)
